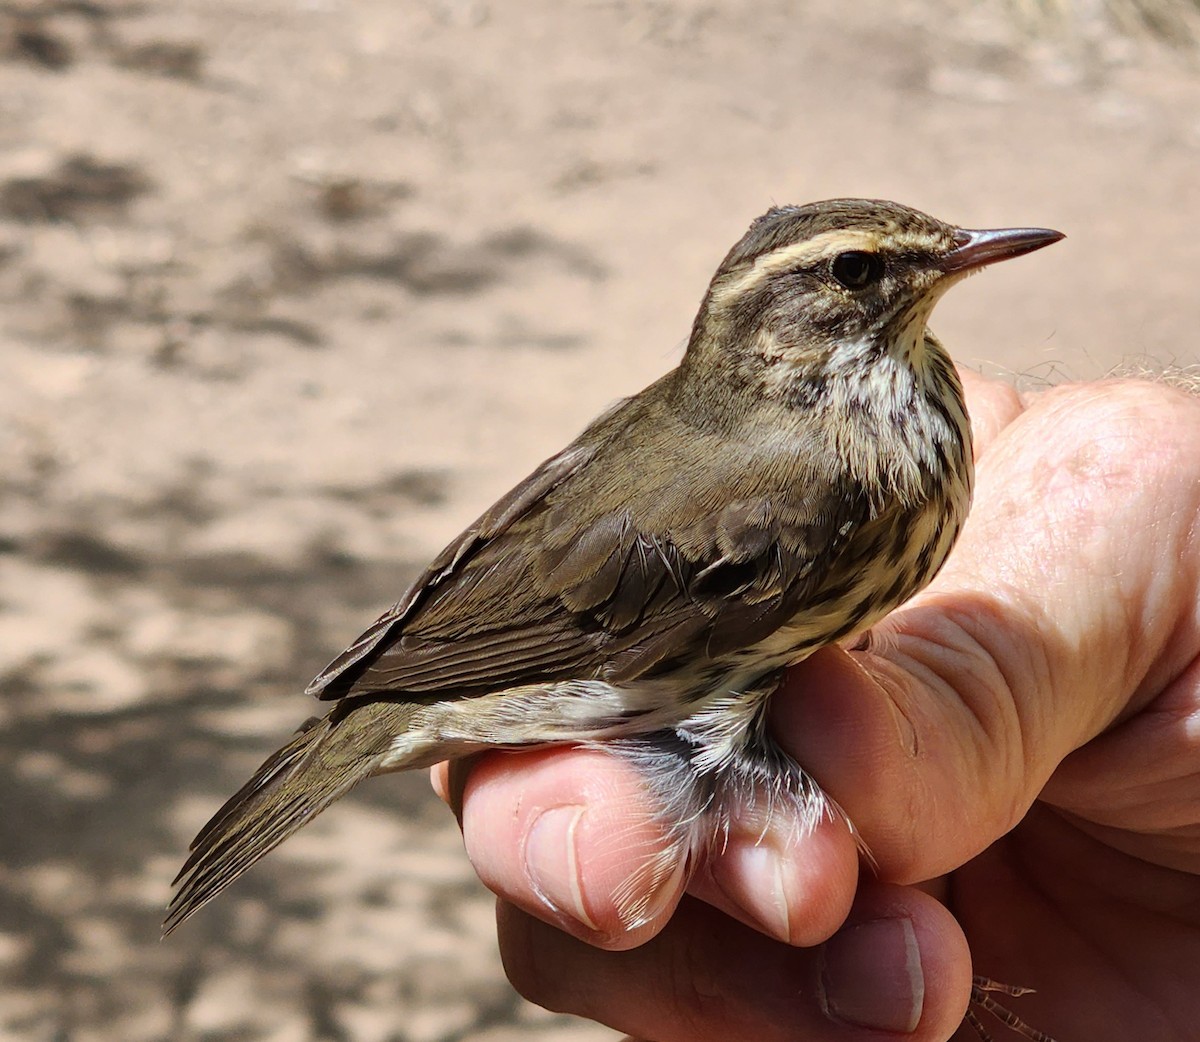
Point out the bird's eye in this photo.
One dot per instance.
(857, 269)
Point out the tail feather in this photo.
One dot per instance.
(326, 759)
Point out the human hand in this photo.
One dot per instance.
(1018, 749)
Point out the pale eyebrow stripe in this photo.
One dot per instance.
(795, 255)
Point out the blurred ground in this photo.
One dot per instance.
(290, 290)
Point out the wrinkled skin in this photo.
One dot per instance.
(1019, 748)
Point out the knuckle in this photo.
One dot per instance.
(536, 967)
(692, 997)
(518, 952)
(971, 652)
(671, 981)
(1122, 429)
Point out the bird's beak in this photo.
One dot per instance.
(974, 249)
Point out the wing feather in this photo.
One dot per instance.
(571, 576)
(335, 679)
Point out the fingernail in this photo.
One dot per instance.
(636, 909)
(552, 862)
(872, 976)
(751, 875)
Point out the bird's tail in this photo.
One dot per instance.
(327, 758)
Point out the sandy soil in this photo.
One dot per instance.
(290, 290)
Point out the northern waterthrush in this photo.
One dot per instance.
(804, 470)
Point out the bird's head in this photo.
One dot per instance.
(838, 286)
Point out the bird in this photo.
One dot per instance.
(804, 470)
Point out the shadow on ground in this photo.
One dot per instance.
(171, 673)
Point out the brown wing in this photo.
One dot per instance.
(613, 560)
(329, 683)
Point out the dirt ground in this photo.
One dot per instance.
(291, 289)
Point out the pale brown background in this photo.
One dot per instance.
(290, 290)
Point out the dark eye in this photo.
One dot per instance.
(857, 269)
